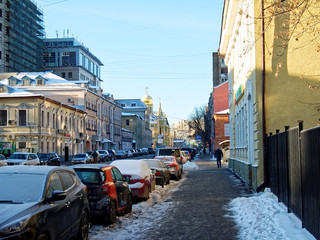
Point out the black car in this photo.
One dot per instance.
(160, 170)
(50, 159)
(109, 193)
(43, 202)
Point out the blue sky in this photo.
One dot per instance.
(164, 45)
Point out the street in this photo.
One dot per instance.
(194, 207)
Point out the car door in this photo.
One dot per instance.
(74, 196)
(121, 186)
(59, 217)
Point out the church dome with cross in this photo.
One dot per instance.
(148, 101)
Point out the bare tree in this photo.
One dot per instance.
(197, 123)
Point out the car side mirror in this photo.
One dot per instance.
(57, 195)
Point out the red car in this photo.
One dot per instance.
(109, 193)
(140, 177)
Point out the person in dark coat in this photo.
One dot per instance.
(218, 155)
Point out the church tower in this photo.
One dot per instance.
(148, 101)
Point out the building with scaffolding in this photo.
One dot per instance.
(21, 36)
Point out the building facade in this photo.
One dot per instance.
(34, 123)
(103, 114)
(135, 118)
(273, 76)
(71, 60)
(21, 36)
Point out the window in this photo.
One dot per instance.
(63, 75)
(133, 104)
(67, 180)
(116, 175)
(48, 119)
(40, 82)
(1, 89)
(69, 74)
(55, 184)
(22, 145)
(54, 120)
(22, 118)
(12, 82)
(3, 118)
(42, 119)
(127, 122)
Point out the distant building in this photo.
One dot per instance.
(71, 60)
(159, 124)
(21, 36)
(135, 118)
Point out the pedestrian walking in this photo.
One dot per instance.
(204, 151)
(94, 155)
(218, 155)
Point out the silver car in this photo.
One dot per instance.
(23, 158)
(81, 158)
(3, 160)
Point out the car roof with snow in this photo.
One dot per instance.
(132, 167)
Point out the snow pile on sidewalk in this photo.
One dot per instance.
(263, 217)
(190, 166)
(144, 216)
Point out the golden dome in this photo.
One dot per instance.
(147, 99)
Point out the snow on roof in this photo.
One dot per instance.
(133, 167)
(15, 92)
(226, 111)
(131, 103)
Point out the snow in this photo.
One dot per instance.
(143, 216)
(135, 168)
(261, 216)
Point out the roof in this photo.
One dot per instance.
(131, 103)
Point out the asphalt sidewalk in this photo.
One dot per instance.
(200, 205)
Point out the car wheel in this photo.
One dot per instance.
(84, 227)
(42, 236)
(111, 216)
(129, 204)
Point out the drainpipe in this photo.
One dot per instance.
(264, 137)
(40, 123)
(57, 129)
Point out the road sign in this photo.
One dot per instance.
(198, 137)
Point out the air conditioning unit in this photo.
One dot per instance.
(12, 122)
(70, 100)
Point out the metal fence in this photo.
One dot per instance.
(293, 160)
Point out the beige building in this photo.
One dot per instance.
(35, 123)
(273, 77)
(103, 114)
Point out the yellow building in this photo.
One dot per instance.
(35, 123)
(159, 124)
(273, 76)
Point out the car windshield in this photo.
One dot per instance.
(89, 176)
(18, 156)
(80, 155)
(21, 188)
(153, 164)
(168, 152)
(43, 155)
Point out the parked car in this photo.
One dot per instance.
(104, 155)
(95, 156)
(50, 159)
(81, 158)
(192, 151)
(109, 193)
(151, 150)
(112, 154)
(3, 160)
(134, 152)
(45, 202)
(139, 176)
(23, 158)
(129, 153)
(186, 154)
(121, 154)
(160, 170)
(180, 158)
(174, 167)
